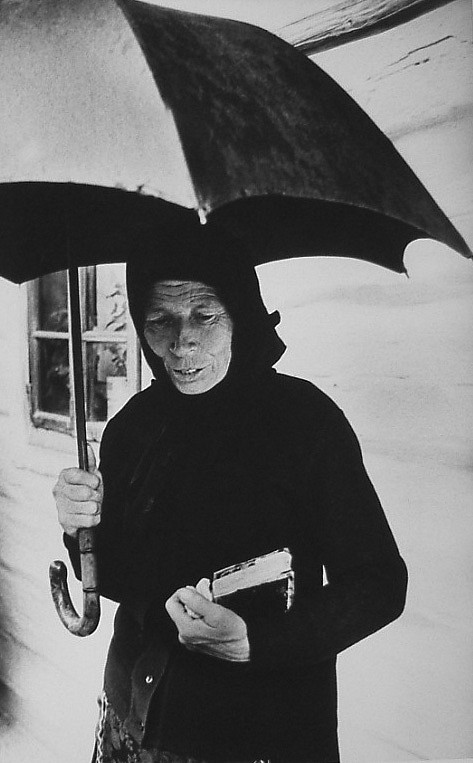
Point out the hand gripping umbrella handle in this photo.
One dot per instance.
(85, 625)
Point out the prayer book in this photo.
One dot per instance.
(263, 585)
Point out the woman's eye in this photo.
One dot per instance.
(205, 317)
(158, 322)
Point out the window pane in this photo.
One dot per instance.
(105, 336)
(54, 395)
(106, 298)
(53, 302)
(107, 388)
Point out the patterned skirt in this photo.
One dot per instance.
(114, 745)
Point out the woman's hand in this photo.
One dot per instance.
(208, 627)
(79, 496)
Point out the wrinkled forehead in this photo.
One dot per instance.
(172, 294)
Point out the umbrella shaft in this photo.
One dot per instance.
(77, 366)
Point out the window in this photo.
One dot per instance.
(109, 344)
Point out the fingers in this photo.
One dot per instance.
(206, 627)
(203, 587)
(211, 615)
(179, 612)
(72, 507)
(72, 520)
(190, 598)
(79, 508)
(79, 496)
(78, 492)
(190, 624)
(76, 476)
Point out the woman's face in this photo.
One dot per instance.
(189, 328)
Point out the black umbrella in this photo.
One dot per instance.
(122, 118)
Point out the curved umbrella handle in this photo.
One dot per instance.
(85, 625)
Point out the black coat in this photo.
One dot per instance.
(192, 490)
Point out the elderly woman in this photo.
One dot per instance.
(220, 460)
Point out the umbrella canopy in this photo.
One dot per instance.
(121, 119)
(192, 114)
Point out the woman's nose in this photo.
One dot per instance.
(184, 339)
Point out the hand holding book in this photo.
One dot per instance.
(211, 617)
(206, 627)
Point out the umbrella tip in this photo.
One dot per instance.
(404, 271)
(202, 216)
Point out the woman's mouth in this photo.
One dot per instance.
(187, 374)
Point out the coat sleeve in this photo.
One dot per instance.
(367, 579)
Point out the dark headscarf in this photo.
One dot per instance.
(211, 256)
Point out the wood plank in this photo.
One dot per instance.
(351, 20)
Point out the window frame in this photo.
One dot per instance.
(62, 423)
